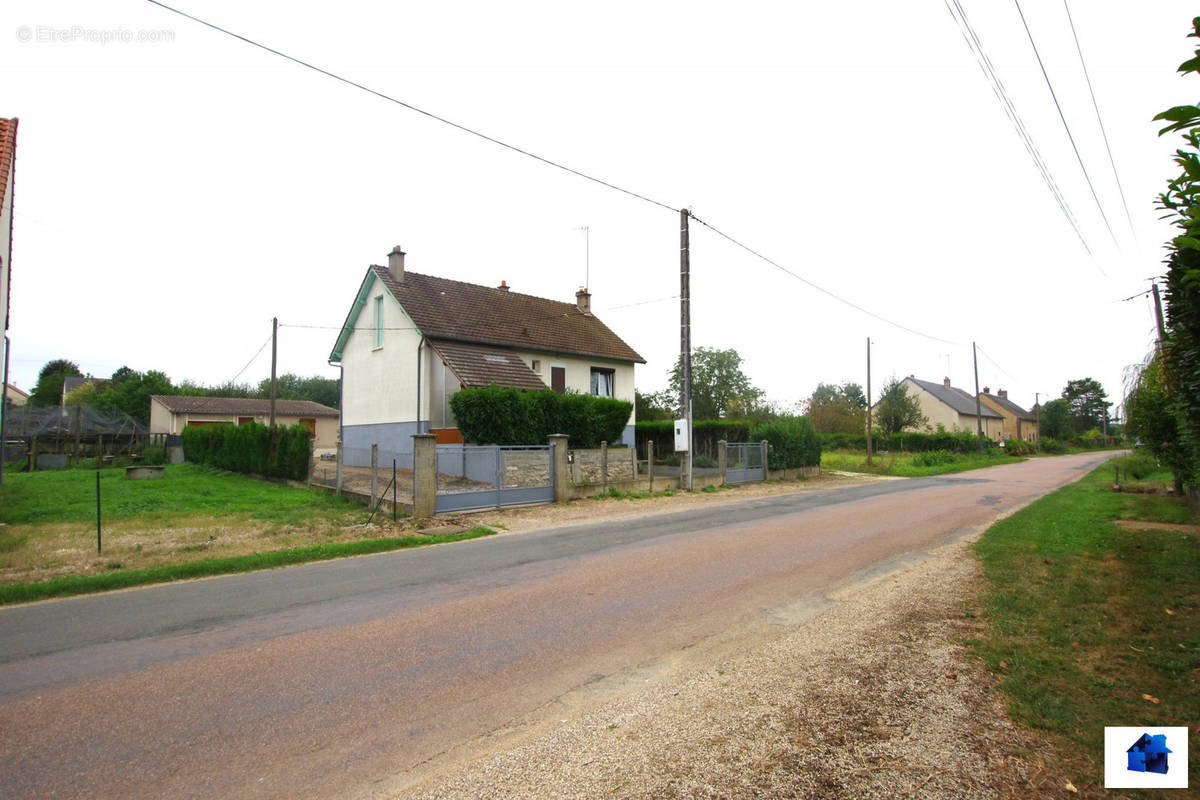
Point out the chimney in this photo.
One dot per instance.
(946, 382)
(396, 264)
(987, 390)
(584, 301)
(503, 286)
(1003, 393)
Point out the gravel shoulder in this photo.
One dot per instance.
(865, 692)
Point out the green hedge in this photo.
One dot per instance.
(953, 442)
(496, 415)
(705, 433)
(279, 452)
(793, 442)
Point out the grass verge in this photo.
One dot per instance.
(122, 579)
(912, 465)
(1092, 624)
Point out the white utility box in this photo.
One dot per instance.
(683, 439)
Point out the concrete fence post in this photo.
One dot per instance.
(338, 480)
(633, 462)
(765, 447)
(374, 474)
(722, 459)
(558, 463)
(604, 465)
(424, 475)
(650, 462)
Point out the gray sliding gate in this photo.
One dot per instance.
(744, 463)
(490, 476)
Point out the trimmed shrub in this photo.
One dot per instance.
(934, 458)
(1049, 445)
(498, 415)
(279, 452)
(793, 442)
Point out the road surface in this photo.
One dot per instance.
(337, 678)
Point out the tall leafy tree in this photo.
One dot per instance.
(293, 387)
(897, 409)
(719, 387)
(131, 392)
(1181, 201)
(837, 409)
(1054, 421)
(1152, 418)
(48, 391)
(1088, 404)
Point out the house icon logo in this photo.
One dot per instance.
(1149, 754)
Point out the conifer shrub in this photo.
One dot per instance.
(253, 448)
(793, 442)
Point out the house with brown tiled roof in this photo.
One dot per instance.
(952, 408)
(170, 414)
(1018, 423)
(410, 341)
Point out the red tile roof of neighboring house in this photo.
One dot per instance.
(480, 365)
(248, 406)
(8, 161)
(466, 312)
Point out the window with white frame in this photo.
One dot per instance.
(602, 381)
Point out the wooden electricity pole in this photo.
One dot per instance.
(868, 401)
(978, 410)
(1158, 317)
(274, 349)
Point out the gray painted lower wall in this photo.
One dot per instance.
(629, 437)
(392, 438)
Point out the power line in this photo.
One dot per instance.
(643, 303)
(411, 107)
(1100, 120)
(1010, 110)
(820, 289)
(1066, 127)
(251, 361)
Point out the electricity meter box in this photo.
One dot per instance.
(683, 439)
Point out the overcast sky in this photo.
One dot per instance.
(177, 188)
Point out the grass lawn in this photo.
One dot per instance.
(912, 465)
(1086, 619)
(195, 521)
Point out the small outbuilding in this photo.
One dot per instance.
(170, 414)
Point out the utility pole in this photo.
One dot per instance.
(868, 401)
(685, 345)
(274, 350)
(978, 410)
(1158, 317)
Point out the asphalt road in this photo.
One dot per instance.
(330, 679)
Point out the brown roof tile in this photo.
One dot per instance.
(480, 365)
(467, 312)
(243, 405)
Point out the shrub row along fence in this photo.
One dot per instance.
(513, 417)
(279, 452)
(793, 441)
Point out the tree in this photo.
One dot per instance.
(1154, 420)
(1087, 403)
(130, 393)
(837, 409)
(1054, 422)
(719, 387)
(657, 405)
(897, 410)
(293, 387)
(1181, 201)
(48, 391)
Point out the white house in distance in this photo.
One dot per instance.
(411, 341)
(171, 414)
(953, 408)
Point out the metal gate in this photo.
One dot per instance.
(744, 463)
(490, 476)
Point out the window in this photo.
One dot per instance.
(536, 366)
(602, 382)
(379, 321)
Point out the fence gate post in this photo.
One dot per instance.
(338, 481)
(764, 446)
(374, 473)
(604, 465)
(424, 475)
(650, 462)
(633, 462)
(558, 460)
(722, 459)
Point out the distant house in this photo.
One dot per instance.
(1018, 423)
(14, 396)
(410, 341)
(171, 414)
(73, 382)
(953, 408)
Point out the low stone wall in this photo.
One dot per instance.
(587, 466)
(793, 474)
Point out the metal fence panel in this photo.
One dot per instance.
(489, 476)
(744, 463)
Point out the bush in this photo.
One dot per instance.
(911, 442)
(934, 458)
(498, 415)
(279, 452)
(154, 456)
(705, 435)
(1140, 465)
(793, 442)
(1054, 446)
(1018, 447)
